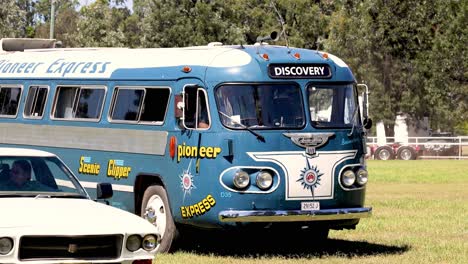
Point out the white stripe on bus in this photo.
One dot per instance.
(93, 185)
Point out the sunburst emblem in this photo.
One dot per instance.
(310, 177)
(186, 181)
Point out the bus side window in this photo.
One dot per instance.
(9, 100)
(155, 105)
(196, 114)
(142, 105)
(126, 104)
(78, 103)
(35, 102)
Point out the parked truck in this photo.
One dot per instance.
(407, 144)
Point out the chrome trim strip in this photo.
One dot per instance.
(83, 137)
(293, 215)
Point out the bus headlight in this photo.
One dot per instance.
(6, 245)
(264, 180)
(241, 179)
(133, 243)
(149, 242)
(362, 177)
(348, 178)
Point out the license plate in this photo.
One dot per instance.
(310, 206)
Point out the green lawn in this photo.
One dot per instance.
(420, 215)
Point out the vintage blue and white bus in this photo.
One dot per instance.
(213, 136)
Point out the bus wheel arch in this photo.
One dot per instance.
(155, 208)
(142, 182)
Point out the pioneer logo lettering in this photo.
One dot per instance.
(299, 71)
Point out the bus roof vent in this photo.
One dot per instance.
(21, 44)
(215, 44)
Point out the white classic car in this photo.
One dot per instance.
(47, 216)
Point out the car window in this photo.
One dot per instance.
(34, 175)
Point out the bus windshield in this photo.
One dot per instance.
(260, 106)
(333, 105)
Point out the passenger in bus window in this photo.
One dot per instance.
(196, 117)
(203, 119)
(203, 123)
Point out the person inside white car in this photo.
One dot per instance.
(20, 178)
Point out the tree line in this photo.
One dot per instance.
(412, 54)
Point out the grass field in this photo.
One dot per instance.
(420, 215)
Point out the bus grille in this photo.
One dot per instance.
(104, 247)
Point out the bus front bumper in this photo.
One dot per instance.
(294, 215)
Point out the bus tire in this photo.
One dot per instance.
(406, 153)
(155, 208)
(384, 153)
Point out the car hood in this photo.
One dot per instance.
(67, 216)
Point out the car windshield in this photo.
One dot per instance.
(260, 106)
(32, 176)
(333, 106)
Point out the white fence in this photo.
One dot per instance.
(419, 148)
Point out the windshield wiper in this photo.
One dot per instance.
(259, 137)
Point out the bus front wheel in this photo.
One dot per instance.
(155, 209)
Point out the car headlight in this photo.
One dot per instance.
(6, 245)
(149, 242)
(133, 243)
(264, 180)
(348, 178)
(241, 179)
(361, 177)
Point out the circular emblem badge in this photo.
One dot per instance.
(187, 181)
(310, 177)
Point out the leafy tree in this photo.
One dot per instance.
(393, 47)
(101, 25)
(66, 19)
(306, 21)
(444, 68)
(165, 23)
(13, 19)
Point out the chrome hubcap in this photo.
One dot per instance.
(155, 213)
(384, 155)
(406, 154)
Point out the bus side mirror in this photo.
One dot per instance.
(367, 123)
(178, 106)
(104, 190)
(365, 97)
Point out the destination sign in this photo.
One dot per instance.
(298, 71)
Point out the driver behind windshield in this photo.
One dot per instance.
(20, 178)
